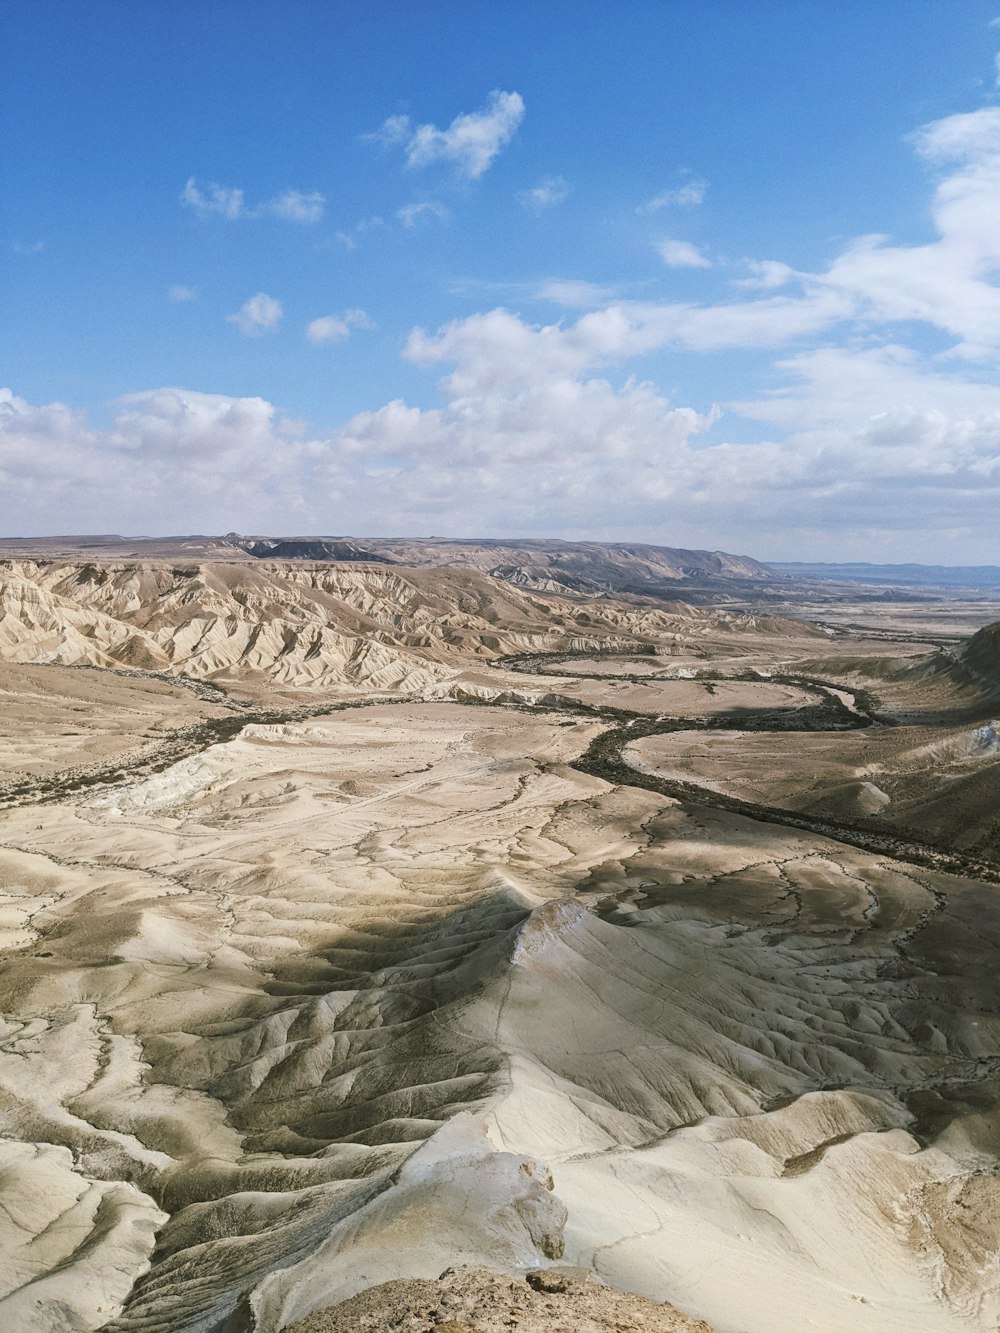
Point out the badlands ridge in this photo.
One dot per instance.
(365, 923)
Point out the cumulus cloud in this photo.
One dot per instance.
(179, 294)
(950, 282)
(688, 195)
(38, 445)
(25, 248)
(337, 328)
(230, 203)
(549, 191)
(863, 449)
(861, 444)
(682, 254)
(259, 315)
(410, 215)
(529, 431)
(470, 143)
(170, 456)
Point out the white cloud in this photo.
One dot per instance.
(173, 422)
(180, 294)
(230, 203)
(337, 328)
(297, 206)
(470, 143)
(259, 315)
(206, 461)
(549, 191)
(220, 199)
(411, 214)
(348, 239)
(869, 442)
(358, 319)
(38, 445)
(394, 129)
(688, 195)
(504, 346)
(682, 254)
(950, 282)
(23, 248)
(575, 292)
(767, 274)
(864, 451)
(328, 329)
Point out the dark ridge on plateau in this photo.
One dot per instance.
(316, 549)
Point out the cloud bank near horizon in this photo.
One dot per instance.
(878, 431)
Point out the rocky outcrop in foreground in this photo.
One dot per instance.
(480, 1300)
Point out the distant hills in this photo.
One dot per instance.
(541, 565)
(923, 576)
(534, 564)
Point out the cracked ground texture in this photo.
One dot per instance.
(368, 994)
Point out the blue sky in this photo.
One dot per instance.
(696, 273)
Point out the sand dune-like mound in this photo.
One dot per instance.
(848, 798)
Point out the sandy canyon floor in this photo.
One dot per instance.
(360, 925)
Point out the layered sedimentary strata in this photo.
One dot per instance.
(302, 626)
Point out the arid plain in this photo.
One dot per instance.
(372, 912)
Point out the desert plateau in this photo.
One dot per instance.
(413, 946)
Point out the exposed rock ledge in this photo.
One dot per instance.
(481, 1300)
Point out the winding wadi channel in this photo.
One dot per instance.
(838, 708)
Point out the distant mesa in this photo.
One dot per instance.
(538, 564)
(541, 564)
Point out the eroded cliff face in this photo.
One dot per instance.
(293, 625)
(541, 564)
(378, 986)
(302, 626)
